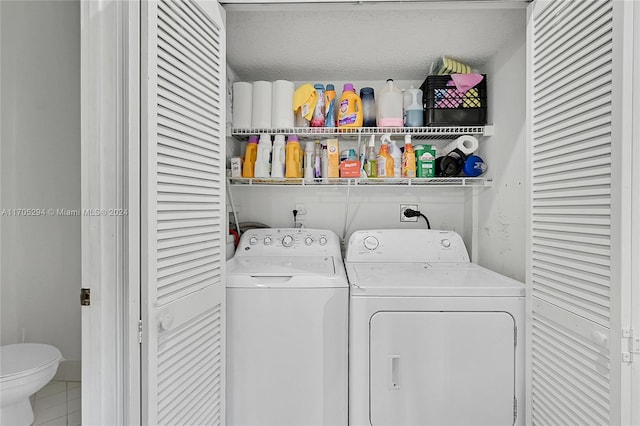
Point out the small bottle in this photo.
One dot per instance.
(408, 159)
(263, 165)
(250, 154)
(330, 106)
(308, 160)
(317, 160)
(370, 166)
(396, 154)
(318, 118)
(325, 163)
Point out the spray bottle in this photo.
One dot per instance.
(396, 154)
(384, 159)
(370, 166)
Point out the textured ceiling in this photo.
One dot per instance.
(326, 42)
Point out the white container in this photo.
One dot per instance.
(278, 157)
(308, 159)
(263, 167)
(389, 106)
(242, 93)
(261, 105)
(396, 153)
(412, 105)
(282, 104)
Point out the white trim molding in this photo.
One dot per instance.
(110, 185)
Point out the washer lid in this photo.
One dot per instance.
(22, 358)
(429, 279)
(281, 265)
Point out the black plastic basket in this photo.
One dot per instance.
(444, 105)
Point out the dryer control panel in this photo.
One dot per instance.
(289, 241)
(406, 245)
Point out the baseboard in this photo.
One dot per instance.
(69, 371)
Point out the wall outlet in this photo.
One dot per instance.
(404, 207)
(301, 209)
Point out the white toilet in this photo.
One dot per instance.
(24, 369)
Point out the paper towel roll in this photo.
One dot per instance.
(282, 104)
(242, 93)
(465, 143)
(261, 105)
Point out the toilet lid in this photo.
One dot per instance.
(23, 358)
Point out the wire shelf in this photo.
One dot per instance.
(363, 182)
(418, 133)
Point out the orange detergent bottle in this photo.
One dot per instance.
(350, 113)
(250, 155)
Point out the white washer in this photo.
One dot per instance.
(434, 339)
(287, 329)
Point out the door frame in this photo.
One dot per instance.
(110, 183)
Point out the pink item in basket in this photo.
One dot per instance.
(464, 82)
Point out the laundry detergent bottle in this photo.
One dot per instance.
(330, 106)
(389, 106)
(263, 159)
(250, 154)
(408, 159)
(278, 157)
(350, 113)
(395, 153)
(385, 161)
(293, 153)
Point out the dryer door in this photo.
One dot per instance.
(442, 368)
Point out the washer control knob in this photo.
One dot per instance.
(308, 241)
(287, 241)
(322, 240)
(445, 243)
(253, 241)
(370, 243)
(267, 241)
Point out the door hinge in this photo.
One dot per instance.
(139, 331)
(515, 409)
(515, 336)
(85, 297)
(631, 343)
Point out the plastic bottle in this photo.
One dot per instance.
(317, 160)
(350, 113)
(330, 106)
(318, 118)
(293, 162)
(368, 107)
(250, 154)
(396, 154)
(412, 106)
(278, 157)
(385, 161)
(263, 166)
(308, 160)
(325, 163)
(408, 159)
(389, 106)
(370, 166)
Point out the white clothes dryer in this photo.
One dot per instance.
(287, 330)
(433, 339)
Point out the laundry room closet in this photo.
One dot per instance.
(365, 44)
(557, 208)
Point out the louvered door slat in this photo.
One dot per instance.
(185, 153)
(571, 208)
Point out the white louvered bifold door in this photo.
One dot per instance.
(183, 210)
(573, 270)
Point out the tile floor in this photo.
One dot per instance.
(57, 404)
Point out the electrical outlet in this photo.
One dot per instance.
(301, 209)
(404, 207)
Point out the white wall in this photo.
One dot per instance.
(40, 154)
(503, 208)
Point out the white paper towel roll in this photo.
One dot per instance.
(261, 106)
(282, 104)
(241, 104)
(465, 143)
